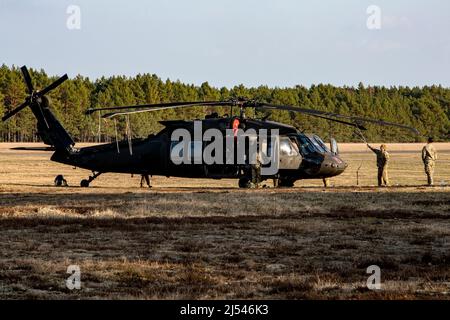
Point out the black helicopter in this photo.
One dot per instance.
(301, 156)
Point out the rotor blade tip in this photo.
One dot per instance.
(108, 115)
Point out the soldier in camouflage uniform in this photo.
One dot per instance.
(382, 164)
(256, 171)
(429, 157)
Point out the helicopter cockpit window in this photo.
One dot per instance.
(321, 143)
(306, 147)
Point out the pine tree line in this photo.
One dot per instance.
(426, 108)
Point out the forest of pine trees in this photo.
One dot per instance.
(427, 108)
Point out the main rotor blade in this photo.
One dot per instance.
(16, 110)
(360, 127)
(317, 113)
(27, 78)
(167, 105)
(53, 85)
(386, 123)
(210, 104)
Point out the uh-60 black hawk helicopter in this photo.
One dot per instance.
(301, 156)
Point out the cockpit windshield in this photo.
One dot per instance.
(311, 144)
(320, 144)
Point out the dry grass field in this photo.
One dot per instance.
(208, 239)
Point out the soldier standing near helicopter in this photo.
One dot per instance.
(146, 178)
(382, 164)
(429, 157)
(256, 170)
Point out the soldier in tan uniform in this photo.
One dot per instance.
(382, 164)
(429, 157)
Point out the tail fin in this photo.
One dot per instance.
(49, 128)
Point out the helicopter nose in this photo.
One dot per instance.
(339, 164)
(333, 165)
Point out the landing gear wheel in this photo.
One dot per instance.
(286, 183)
(84, 183)
(243, 182)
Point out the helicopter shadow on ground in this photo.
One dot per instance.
(138, 190)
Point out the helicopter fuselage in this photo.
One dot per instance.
(301, 156)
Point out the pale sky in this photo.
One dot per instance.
(229, 42)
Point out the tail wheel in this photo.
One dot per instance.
(84, 183)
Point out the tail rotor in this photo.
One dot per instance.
(48, 127)
(34, 96)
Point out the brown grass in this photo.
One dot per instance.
(207, 239)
